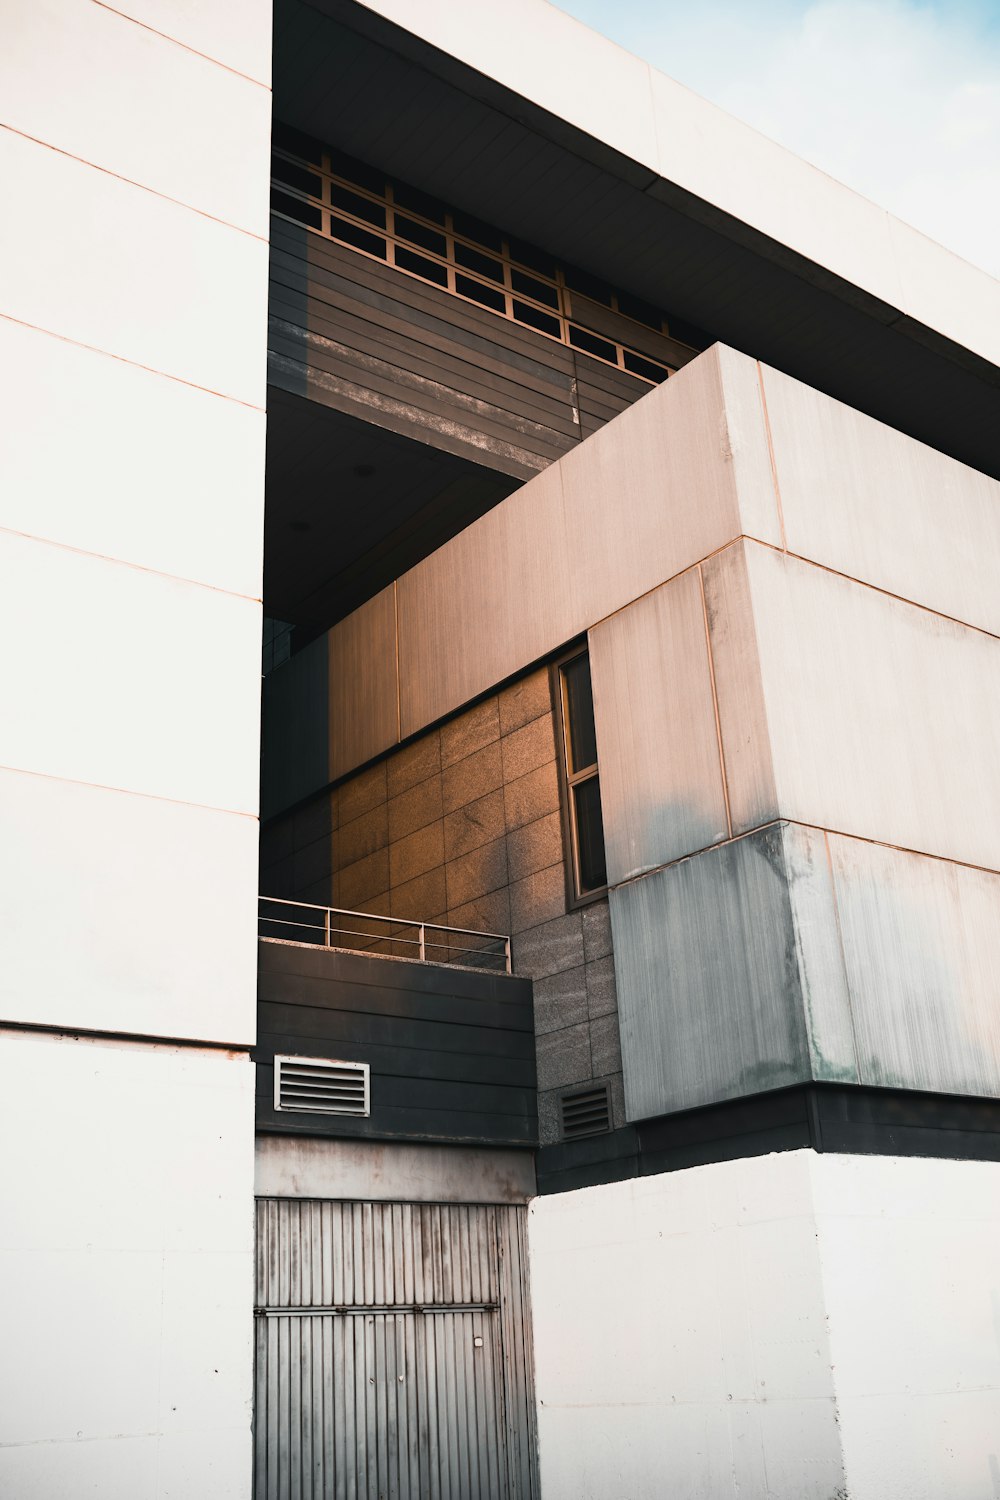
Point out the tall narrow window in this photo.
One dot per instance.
(582, 783)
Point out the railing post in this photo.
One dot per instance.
(326, 927)
(423, 942)
(506, 953)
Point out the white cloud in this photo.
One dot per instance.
(899, 100)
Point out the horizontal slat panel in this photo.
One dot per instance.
(318, 1087)
(330, 265)
(392, 999)
(394, 1030)
(439, 342)
(546, 386)
(419, 360)
(426, 391)
(403, 1092)
(431, 317)
(355, 399)
(425, 308)
(448, 1127)
(479, 377)
(401, 1061)
(398, 1057)
(451, 1053)
(476, 990)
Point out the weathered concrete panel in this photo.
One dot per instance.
(709, 991)
(823, 990)
(746, 743)
(668, 482)
(869, 502)
(874, 717)
(789, 956)
(661, 779)
(677, 475)
(922, 952)
(308, 1167)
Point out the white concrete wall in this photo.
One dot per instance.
(681, 1345)
(133, 285)
(880, 507)
(133, 274)
(863, 713)
(127, 1184)
(910, 1252)
(783, 1328)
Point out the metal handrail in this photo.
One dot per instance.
(420, 942)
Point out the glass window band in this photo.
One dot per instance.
(361, 196)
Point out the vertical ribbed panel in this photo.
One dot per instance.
(367, 1401)
(312, 1254)
(515, 1342)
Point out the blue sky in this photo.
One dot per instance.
(898, 99)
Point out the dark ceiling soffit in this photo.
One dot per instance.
(356, 17)
(414, 49)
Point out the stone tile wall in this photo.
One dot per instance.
(463, 826)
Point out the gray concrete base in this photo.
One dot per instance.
(390, 1171)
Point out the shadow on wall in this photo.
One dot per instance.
(464, 826)
(295, 739)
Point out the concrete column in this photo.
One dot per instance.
(132, 329)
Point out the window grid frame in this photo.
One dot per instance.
(564, 315)
(576, 896)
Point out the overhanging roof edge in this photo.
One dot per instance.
(663, 139)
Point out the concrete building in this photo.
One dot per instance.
(610, 1037)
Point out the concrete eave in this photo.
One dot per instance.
(684, 144)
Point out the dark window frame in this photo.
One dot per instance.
(576, 896)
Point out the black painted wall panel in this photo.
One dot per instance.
(844, 1119)
(451, 1051)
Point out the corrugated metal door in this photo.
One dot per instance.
(392, 1353)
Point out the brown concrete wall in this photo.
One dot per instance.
(463, 826)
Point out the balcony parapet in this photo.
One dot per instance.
(450, 1047)
(387, 937)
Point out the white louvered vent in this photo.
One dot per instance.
(586, 1112)
(321, 1086)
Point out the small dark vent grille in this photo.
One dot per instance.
(321, 1086)
(585, 1113)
